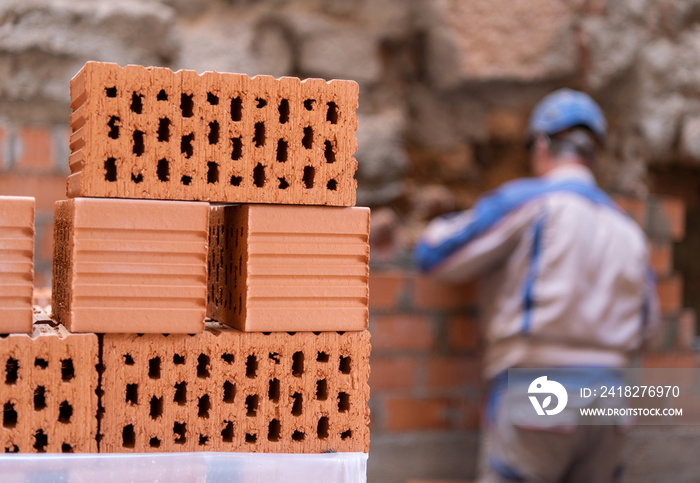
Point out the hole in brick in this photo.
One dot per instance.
(332, 112)
(259, 137)
(128, 360)
(39, 398)
(154, 442)
(41, 363)
(113, 125)
(297, 404)
(212, 172)
(162, 95)
(11, 370)
(228, 358)
(322, 357)
(298, 436)
(41, 441)
(203, 406)
(66, 448)
(180, 393)
(309, 174)
(227, 432)
(111, 169)
(308, 139)
(12, 449)
(283, 184)
(163, 130)
(136, 103)
(321, 389)
(259, 176)
(138, 148)
(9, 416)
(229, 392)
(203, 366)
(309, 104)
(111, 91)
(251, 405)
(284, 111)
(251, 438)
(213, 132)
(180, 431)
(187, 105)
(186, 180)
(343, 402)
(132, 393)
(260, 103)
(237, 148)
(186, 146)
(322, 428)
(282, 148)
(332, 185)
(273, 430)
(67, 370)
(203, 440)
(163, 170)
(154, 368)
(156, 407)
(178, 359)
(136, 178)
(236, 180)
(236, 109)
(273, 391)
(329, 152)
(65, 412)
(345, 364)
(212, 99)
(298, 364)
(274, 356)
(346, 434)
(128, 436)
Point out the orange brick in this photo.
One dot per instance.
(634, 207)
(687, 330)
(674, 211)
(431, 294)
(385, 289)
(391, 373)
(463, 333)
(46, 190)
(44, 240)
(661, 257)
(469, 413)
(444, 372)
(406, 414)
(402, 332)
(670, 360)
(36, 148)
(670, 290)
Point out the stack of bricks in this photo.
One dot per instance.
(229, 327)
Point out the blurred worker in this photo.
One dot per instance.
(565, 280)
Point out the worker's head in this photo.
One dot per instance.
(565, 127)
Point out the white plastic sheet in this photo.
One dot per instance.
(185, 468)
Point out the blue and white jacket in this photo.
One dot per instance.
(565, 275)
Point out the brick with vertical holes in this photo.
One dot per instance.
(130, 265)
(225, 390)
(16, 264)
(289, 268)
(47, 390)
(151, 133)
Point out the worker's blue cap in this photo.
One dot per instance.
(564, 109)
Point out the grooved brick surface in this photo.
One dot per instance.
(130, 265)
(48, 391)
(226, 390)
(151, 133)
(289, 268)
(16, 264)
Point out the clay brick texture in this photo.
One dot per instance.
(16, 264)
(151, 133)
(289, 268)
(47, 391)
(226, 390)
(130, 265)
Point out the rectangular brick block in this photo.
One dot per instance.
(16, 264)
(226, 390)
(431, 294)
(670, 291)
(48, 391)
(153, 133)
(130, 265)
(400, 332)
(289, 268)
(408, 414)
(385, 289)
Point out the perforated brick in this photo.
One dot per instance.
(226, 390)
(130, 265)
(151, 133)
(48, 390)
(16, 264)
(289, 268)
